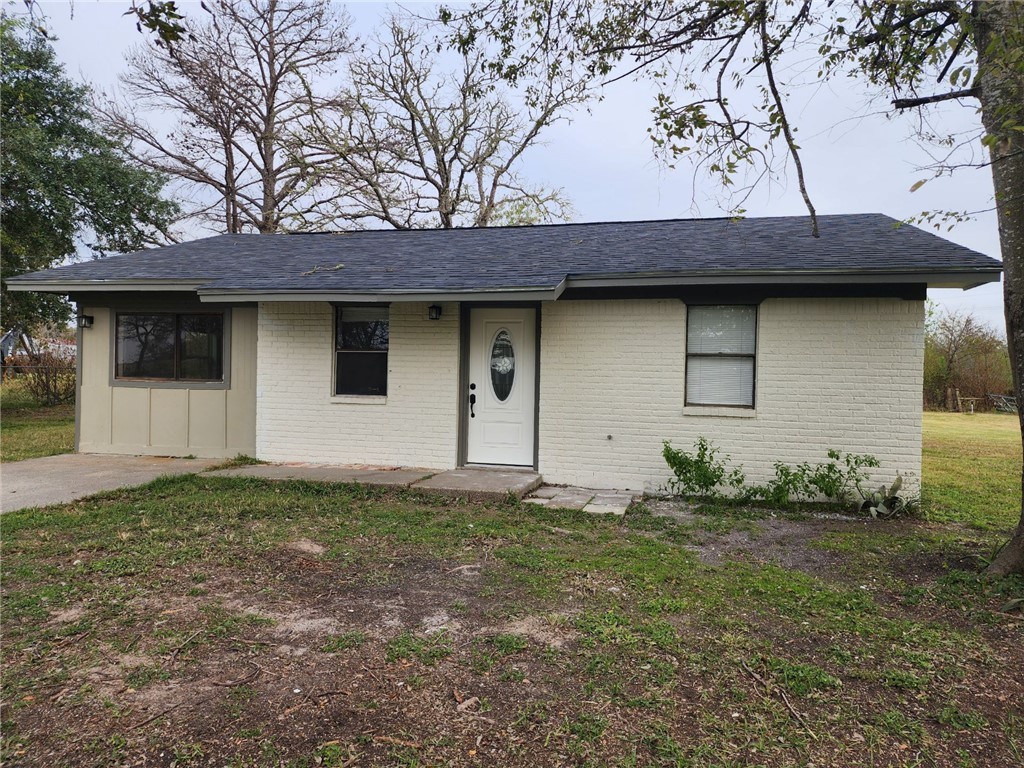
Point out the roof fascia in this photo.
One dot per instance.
(77, 286)
(936, 279)
(379, 297)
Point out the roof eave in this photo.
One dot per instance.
(79, 286)
(965, 278)
(529, 293)
(948, 278)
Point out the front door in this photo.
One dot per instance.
(502, 386)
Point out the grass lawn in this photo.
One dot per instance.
(971, 467)
(28, 430)
(211, 621)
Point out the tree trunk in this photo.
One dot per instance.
(999, 34)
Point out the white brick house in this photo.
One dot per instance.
(572, 349)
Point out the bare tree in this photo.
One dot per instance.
(244, 85)
(964, 353)
(416, 148)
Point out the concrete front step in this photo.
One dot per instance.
(480, 484)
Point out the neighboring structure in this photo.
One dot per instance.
(575, 349)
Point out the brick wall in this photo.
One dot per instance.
(298, 419)
(831, 373)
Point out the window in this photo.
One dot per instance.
(170, 347)
(720, 348)
(503, 365)
(361, 351)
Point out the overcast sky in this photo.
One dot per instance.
(857, 159)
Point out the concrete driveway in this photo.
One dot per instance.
(60, 479)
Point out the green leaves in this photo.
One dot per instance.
(67, 187)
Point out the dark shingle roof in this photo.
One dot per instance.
(538, 257)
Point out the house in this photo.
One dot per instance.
(574, 349)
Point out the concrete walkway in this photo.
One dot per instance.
(474, 484)
(70, 476)
(587, 499)
(61, 479)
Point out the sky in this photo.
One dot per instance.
(858, 158)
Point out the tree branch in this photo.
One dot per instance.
(920, 101)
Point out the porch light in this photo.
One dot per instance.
(434, 312)
(85, 321)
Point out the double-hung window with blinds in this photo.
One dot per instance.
(721, 344)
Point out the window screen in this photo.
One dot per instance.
(720, 354)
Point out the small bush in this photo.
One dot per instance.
(700, 473)
(704, 474)
(51, 379)
(837, 483)
(789, 484)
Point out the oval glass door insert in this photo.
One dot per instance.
(503, 365)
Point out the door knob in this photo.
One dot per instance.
(472, 402)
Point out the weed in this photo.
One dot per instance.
(187, 754)
(508, 645)
(954, 717)
(801, 679)
(333, 755)
(512, 675)
(587, 727)
(534, 712)
(142, 675)
(666, 749)
(343, 642)
(428, 649)
(897, 724)
(899, 678)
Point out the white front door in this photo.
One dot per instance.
(502, 386)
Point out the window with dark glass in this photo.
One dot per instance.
(721, 343)
(361, 351)
(170, 346)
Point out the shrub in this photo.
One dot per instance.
(704, 474)
(700, 473)
(51, 380)
(790, 484)
(837, 483)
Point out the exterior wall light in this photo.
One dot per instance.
(85, 321)
(434, 312)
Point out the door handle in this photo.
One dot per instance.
(472, 402)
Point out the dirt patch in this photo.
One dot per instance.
(801, 544)
(68, 615)
(387, 656)
(305, 546)
(553, 631)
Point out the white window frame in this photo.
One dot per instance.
(722, 355)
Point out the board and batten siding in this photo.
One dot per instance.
(298, 419)
(162, 420)
(831, 373)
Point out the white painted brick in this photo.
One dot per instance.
(297, 421)
(831, 373)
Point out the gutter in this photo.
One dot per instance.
(949, 278)
(77, 286)
(532, 293)
(966, 278)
